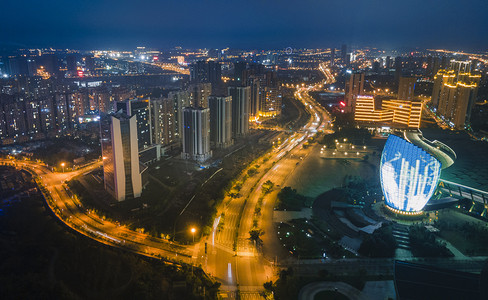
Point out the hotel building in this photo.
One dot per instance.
(397, 112)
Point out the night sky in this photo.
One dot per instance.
(256, 24)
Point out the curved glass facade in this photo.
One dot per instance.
(409, 175)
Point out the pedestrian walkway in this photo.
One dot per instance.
(454, 250)
(400, 232)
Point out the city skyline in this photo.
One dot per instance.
(259, 25)
(244, 150)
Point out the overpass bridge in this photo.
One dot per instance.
(462, 191)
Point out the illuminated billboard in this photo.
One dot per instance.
(409, 175)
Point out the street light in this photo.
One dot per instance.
(62, 165)
(193, 230)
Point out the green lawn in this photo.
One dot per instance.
(467, 234)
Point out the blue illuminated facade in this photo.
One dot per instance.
(409, 175)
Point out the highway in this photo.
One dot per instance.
(232, 258)
(241, 266)
(68, 209)
(227, 254)
(329, 77)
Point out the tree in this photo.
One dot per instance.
(268, 286)
(424, 243)
(255, 234)
(234, 195)
(268, 186)
(381, 243)
(290, 199)
(252, 171)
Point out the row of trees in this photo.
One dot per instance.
(255, 233)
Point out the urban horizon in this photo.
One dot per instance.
(270, 167)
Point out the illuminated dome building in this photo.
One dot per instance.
(410, 170)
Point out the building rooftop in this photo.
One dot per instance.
(440, 151)
(470, 168)
(415, 281)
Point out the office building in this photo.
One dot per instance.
(50, 63)
(460, 67)
(141, 109)
(270, 101)
(220, 121)
(100, 100)
(18, 66)
(366, 111)
(254, 87)
(405, 112)
(32, 69)
(388, 62)
(122, 178)
(163, 121)
(376, 66)
(199, 93)
(454, 93)
(13, 125)
(180, 99)
(89, 61)
(66, 117)
(196, 134)
(270, 98)
(354, 87)
(241, 101)
(240, 73)
(406, 88)
(206, 71)
(71, 64)
(82, 102)
(119, 94)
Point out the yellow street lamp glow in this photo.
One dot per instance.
(193, 230)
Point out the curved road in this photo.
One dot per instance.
(68, 209)
(231, 258)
